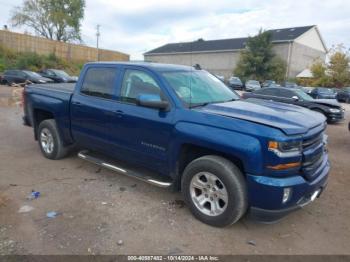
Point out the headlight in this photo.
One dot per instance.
(334, 110)
(285, 149)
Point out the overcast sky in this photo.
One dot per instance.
(137, 26)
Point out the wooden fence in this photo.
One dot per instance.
(28, 43)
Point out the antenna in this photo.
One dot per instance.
(97, 39)
(191, 73)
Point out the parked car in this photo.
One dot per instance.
(290, 85)
(21, 76)
(306, 89)
(252, 85)
(222, 78)
(343, 95)
(330, 109)
(323, 93)
(59, 76)
(268, 83)
(176, 127)
(235, 83)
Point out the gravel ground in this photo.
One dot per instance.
(100, 212)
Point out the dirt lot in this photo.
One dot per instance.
(97, 208)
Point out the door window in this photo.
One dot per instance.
(267, 92)
(136, 82)
(286, 93)
(99, 82)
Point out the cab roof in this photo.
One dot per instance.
(159, 67)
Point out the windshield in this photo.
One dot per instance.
(303, 95)
(33, 74)
(199, 87)
(60, 73)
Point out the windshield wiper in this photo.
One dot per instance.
(199, 105)
(213, 102)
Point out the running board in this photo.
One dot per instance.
(125, 169)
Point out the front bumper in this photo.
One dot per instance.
(335, 117)
(266, 193)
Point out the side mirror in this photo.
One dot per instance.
(295, 98)
(152, 101)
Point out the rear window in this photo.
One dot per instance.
(99, 82)
(10, 72)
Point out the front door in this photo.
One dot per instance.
(142, 133)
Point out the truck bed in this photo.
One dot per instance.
(65, 87)
(53, 99)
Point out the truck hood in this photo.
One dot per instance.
(291, 119)
(327, 102)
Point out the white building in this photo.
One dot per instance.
(298, 46)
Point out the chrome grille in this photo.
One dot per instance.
(313, 152)
(313, 141)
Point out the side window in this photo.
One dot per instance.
(266, 92)
(49, 73)
(285, 93)
(99, 82)
(137, 82)
(21, 74)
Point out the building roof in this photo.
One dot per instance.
(278, 35)
(306, 73)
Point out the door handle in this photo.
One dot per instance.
(119, 113)
(76, 103)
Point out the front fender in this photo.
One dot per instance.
(241, 146)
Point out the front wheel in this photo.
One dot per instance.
(215, 190)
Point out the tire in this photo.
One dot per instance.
(347, 100)
(227, 177)
(48, 130)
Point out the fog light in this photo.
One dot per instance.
(286, 194)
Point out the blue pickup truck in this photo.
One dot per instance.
(181, 127)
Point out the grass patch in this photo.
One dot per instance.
(34, 62)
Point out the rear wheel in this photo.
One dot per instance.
(215, 190)
(50, 142)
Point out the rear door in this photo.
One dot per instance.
(92, 107)
(14, 76)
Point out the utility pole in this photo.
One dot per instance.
(97, 38)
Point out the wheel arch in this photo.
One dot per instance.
(189, 152)
(40, 115)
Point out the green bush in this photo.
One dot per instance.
(35, 62)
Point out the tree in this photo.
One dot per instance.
(338, 67)
(57, 20)
(336, 73)
(318, 70)
(258, 61)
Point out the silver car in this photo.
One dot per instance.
(252, 85)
